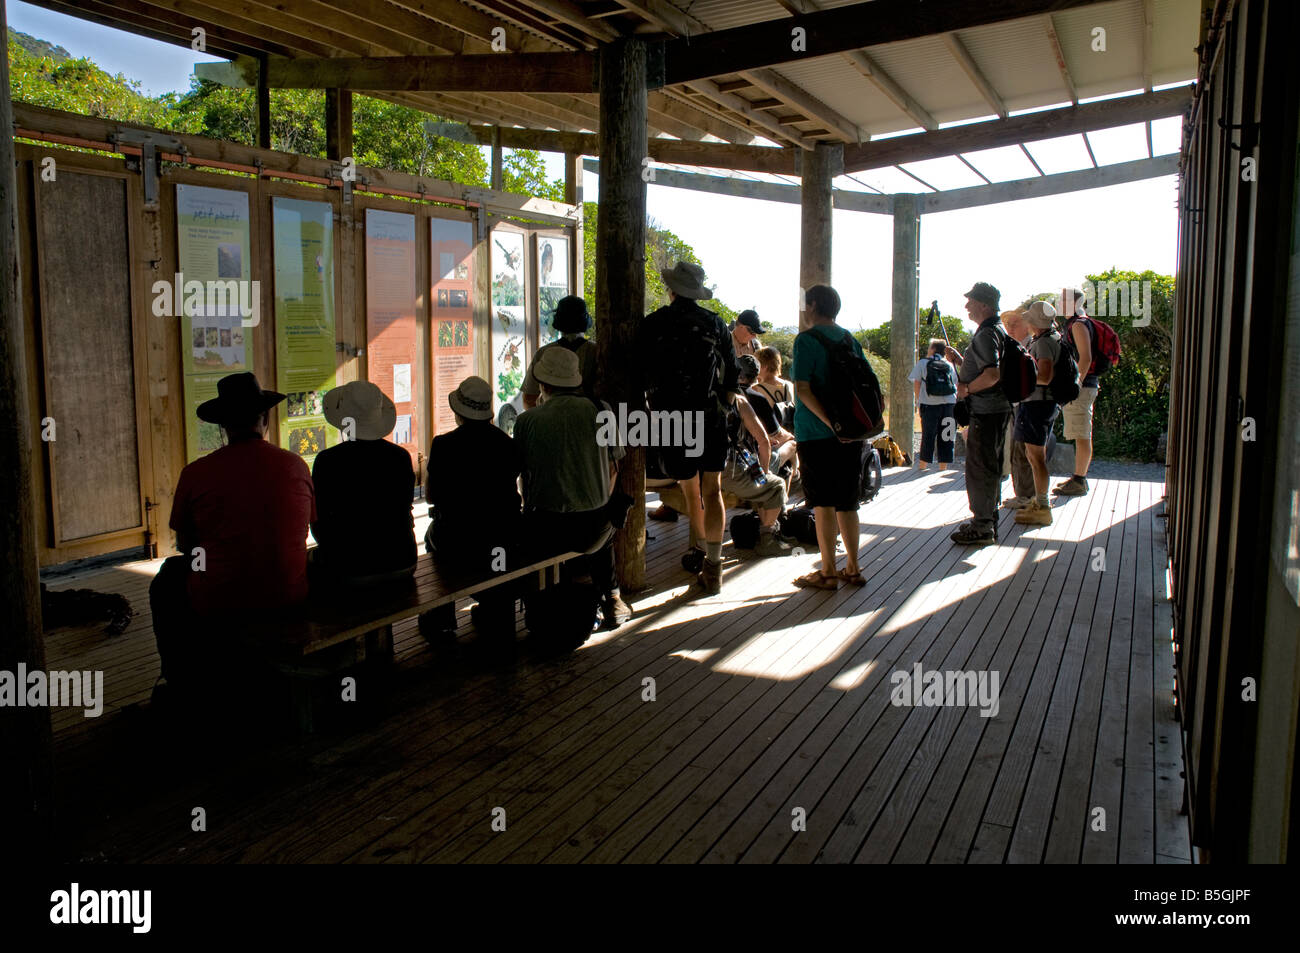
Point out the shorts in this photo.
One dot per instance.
(710, 451)
(1078, 415)
(769, 496)
(1034, 419)
(832, 473)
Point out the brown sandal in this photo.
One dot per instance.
(817, 580)
(852, 578)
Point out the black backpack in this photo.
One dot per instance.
(851, 394)
(938, 377)
(683, 360)
(1017, 373)
(1065, 375)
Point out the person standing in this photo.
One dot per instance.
(1014, 461)
(978, 379)
(690, 366)
(934, 384)
(831, 467)
(1036, 414)
(744, 334)
(1081, 337)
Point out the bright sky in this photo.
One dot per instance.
(750, 248)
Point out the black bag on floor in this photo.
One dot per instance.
(744, 530)
(799, 523)
(562, 616)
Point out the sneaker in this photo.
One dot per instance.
(967, 535)
(1016, 502)
(1035, 514)
(769, 544)
(665, 514)
(614, 611)
(1072, 487)
(710, 578)
(693, 561)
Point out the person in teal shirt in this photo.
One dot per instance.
(831, 467)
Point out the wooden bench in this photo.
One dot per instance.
(337, 633)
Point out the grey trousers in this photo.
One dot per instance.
(985, 443)
(1022, 474)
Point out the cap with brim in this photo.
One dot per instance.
(750, 320)
(239, 397)
(472, 399)
(361, 410)
(1040, 315)
(686, 279)
(558, 367)
(571, 315)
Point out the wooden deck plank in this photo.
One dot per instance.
(1172, 837)
(767, 698)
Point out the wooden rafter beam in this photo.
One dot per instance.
(475, 23)
(1014, 130)
(1148, 28)
(669, 103)
(477, 72)
(837, 30)
(1049, 25)
(373, 21)
(887, 85)
(738, 105)
(962, 55)
(110, 16)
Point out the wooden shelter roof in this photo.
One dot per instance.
(728, 70)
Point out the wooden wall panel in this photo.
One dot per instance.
(84, 247)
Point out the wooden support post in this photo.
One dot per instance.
(620, 270)
(338, 124)
(819, 168)
(263, 108)
(498, 175)
(573, 196)
(26, 796)
(902, 337)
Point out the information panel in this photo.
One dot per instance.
(452, 250)
(390, 316)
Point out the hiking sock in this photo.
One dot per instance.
(713, 552)
(1080, 477)
(1043, 501)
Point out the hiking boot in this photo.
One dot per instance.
(968, 535)
(1075, 486)
(1035, 514)
(693, 561)
(1016, 502)
(769, 544)
(614, 611)
(710, 578)
(665, 514)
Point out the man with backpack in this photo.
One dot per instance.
(934, 382)
(979, 384)
(1037, 413)
(830, 463)
(1081, 337)
(690, 367)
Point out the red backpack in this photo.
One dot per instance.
(1106, 350)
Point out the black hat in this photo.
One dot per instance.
(750, 320)
(239, 397)
(571, 315)
(985, 292)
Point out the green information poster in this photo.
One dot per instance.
(304, 321)
(213, 297)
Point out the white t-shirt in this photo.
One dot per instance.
(918, 374)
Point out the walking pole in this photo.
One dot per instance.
(929, 321)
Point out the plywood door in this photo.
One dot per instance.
(88, 348)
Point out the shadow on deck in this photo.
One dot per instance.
(771, 711)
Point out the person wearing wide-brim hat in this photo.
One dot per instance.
(473, 495)
(689, 365)
(978, 376)
(240, 515)
(569, 461)
(572, 321)
(364, 531)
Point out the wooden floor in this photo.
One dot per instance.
(770, 706)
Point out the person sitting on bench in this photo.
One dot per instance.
(364, 531)
(240, 515)
(569, 477)
(473, 495)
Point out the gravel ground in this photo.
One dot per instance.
(1099, 468)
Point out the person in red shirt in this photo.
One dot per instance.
(240, 515)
